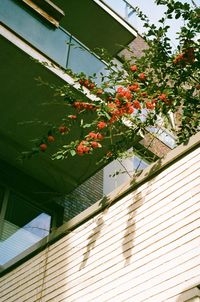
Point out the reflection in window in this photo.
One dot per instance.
(118, 172)
(22, 226)
(139, 164)
(164, 135)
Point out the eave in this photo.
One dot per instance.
(28, 109)
(96, 24)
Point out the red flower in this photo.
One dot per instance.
(95, 145)
(100, 136)
(81, 82)
(120, 90)
(136, 104)
(130, 110)
(82, 105)
(112, 106)
(93, 135)
(133, 68)
(91, 86)
(88, 106)
(188, 56)
(51, 138)
(178, 58)
(77, 104)
(135, 87)
(162, 97)
(123, 93)
(73, 117)
(113, 119)
(99, 92)
(86, 83)
(142, 76)
(101, 125)
(150, 105)
(128, 95)
(82, 148)
(62, 129)
(43, 147)
(117, 102)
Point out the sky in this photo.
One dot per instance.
(153, 11)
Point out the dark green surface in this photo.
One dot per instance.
(93, 26)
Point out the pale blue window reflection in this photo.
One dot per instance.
(139, 164)
(164, 135)
(56, 43)
(22, 226)
(120, 171)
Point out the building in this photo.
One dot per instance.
(96, 248)
(34, 32)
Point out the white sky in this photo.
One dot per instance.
(153, 11)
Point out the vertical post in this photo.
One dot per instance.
(68, 53)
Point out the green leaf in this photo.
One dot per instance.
(59, 157)
(177, 16)
(87, 125)
(72, 152)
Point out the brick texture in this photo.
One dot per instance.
(137, 46)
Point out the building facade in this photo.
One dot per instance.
(41, 41)
(131, 234)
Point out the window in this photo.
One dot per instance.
(119, 171)
(22, 224)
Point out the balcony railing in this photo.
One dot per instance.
(56, 43)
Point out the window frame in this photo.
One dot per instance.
(56, 212)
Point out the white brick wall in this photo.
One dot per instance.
(146, 247)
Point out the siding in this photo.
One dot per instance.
(146, 247)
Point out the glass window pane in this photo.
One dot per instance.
(139, 164)
(48, 39)
(81, 60)
(23, 226)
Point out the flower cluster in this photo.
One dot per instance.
(94, 136)
(87, 83)
(91, 142)
(154, 85)
(83, 105)
(126, 100)
(186, 57)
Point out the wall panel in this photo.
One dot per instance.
(146, 247)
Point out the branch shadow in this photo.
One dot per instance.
(104, 205)
(92, 240)
(129, 235)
